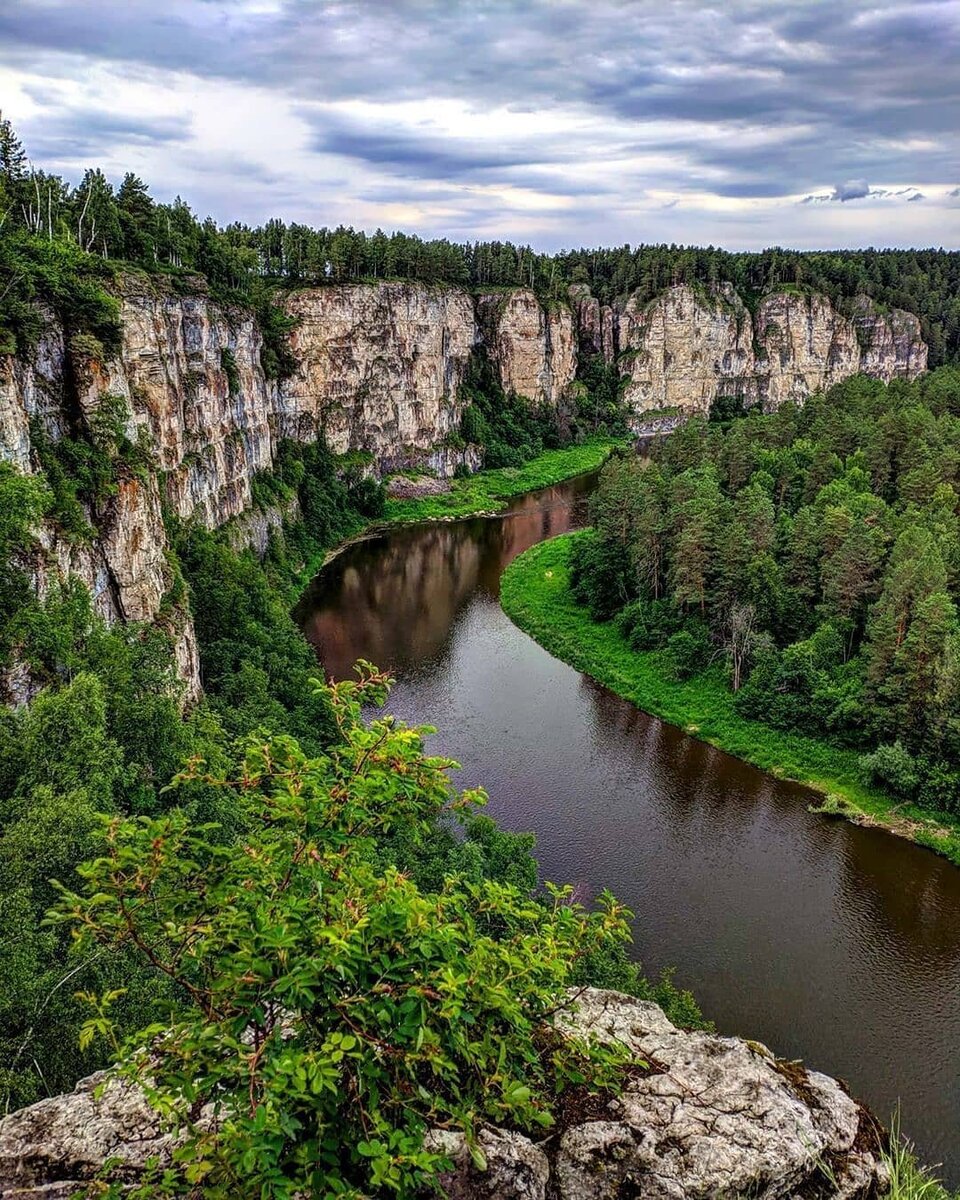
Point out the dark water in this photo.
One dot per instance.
(828, 942)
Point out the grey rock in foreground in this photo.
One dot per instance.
(715, 1117)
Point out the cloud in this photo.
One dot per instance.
(81, 133)
(444, 113)
(853, 189)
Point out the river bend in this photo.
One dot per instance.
(829, 942)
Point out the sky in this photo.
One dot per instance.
(562, 123)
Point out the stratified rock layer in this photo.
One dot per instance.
(714, 1117)
(379, 371)
(533, 349)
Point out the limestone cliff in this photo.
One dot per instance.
(704, 1116)
(685, 348)
(379, 370)
(533, 349)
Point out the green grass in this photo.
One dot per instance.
(489, 491)
(908, 1179)
(535, 594)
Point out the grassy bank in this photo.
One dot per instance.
(484, 493)
(535, 595)
(489, 491)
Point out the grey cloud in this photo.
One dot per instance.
(853, 189)
(863, 90)
(86, 133)
(421, 156)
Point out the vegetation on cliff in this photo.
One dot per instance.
(333, 1007)
(106, 735)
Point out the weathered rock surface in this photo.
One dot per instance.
(533, 349)
(686, 347)
(380, 369)
(715, 1117)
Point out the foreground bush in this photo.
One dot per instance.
(332, 1011)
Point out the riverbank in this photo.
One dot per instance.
(487, 492)
(481, 495)
(535, 595)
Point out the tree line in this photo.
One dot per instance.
(124, 224)
(813, 554)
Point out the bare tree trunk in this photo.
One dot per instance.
(739, 640)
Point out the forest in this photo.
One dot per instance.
(106, 734)
(812, 554)
(816, 551)
(59, 242)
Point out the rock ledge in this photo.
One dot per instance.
(720, 1117)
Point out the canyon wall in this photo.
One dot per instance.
(379, 371)
(687, 347)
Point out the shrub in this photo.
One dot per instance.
(333, 1011)
(228, 364)
(689, 650)
(892, 767)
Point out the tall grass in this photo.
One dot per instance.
(908, 1180)
(535, 594)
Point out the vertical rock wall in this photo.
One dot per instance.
(533, 349)
(687, 347)
(380, 369)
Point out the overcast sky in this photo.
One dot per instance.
(744, 124)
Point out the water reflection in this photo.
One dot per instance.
(838, 944)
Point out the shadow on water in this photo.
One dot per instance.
(827, 941)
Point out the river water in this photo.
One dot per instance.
(828, 942)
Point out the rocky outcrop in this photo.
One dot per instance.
(380, 368)
(687, 347)
(379, 371)
(677, 349)
(533, 349)
(701, 1116)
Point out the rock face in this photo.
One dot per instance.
(686, 347)
(713, 1117)
(534, 350)
(380, 369)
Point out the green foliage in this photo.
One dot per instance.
(488, 491)
(537, 595)
(892, 767)
(908, 1179)
(228, 364)
(333, 1009)
(600, 408)
(819, 551)
(508, 427)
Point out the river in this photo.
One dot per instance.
(828, 942)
